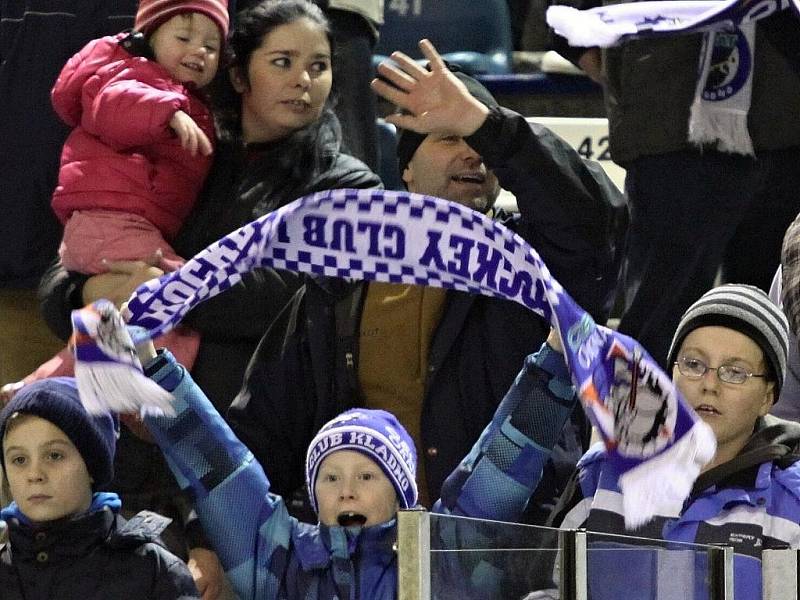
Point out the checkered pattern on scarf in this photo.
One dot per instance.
(302, 237)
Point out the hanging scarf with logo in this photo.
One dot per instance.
(718, 115)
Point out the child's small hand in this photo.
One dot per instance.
(191, 136)
(207, 572)
(8, 391)
(554, 341)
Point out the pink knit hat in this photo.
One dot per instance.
(153, 13)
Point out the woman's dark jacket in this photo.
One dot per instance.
(305, 370)
(245, 183)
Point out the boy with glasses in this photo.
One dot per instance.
(729, 360)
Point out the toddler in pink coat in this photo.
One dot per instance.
(141, 144)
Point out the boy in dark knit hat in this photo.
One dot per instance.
(66, 539)
(360, 469)
(140, 148)
(728, 360)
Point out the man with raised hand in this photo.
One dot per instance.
(440, 360)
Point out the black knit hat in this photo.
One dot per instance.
(56, 400)
(408, 141)
(745, 309)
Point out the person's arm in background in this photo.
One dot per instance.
(570, 211)
(589, 60)
(61, 291)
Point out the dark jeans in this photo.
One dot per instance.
(692, 213)
(356, 105)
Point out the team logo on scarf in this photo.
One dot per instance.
(731, 62)
(723, 92)
(409, 238)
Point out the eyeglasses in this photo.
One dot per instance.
(694, 368)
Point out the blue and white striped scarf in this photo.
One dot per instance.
(649, 430)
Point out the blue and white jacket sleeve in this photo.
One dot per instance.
(496, 479)
(222, 476)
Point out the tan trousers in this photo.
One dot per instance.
(25, 340)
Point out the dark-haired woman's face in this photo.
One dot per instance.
(290, 80)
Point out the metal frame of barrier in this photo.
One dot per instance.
(572, 564)
(720, 559)
(413, 554)
(780, 569)
(413, 549)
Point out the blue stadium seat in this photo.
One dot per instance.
(531, 84)
(475, 34)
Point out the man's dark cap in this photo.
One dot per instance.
(408, 141)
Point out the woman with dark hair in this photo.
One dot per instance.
(279, 140)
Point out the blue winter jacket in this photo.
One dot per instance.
(268, 554)
(753, 505)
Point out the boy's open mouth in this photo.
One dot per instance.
(348, 519)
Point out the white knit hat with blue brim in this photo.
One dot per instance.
(378, 435)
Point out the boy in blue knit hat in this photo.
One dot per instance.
(360, 469)
(65, 538)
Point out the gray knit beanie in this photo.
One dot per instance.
(745, 309)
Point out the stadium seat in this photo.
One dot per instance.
(475, 34)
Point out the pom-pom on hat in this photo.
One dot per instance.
(153, 13)
(378, 435)
(746, 309)
(56, 400)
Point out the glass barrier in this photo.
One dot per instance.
(636, 568)
(779, 574)
(474, 558)
(444, 557)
